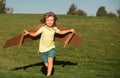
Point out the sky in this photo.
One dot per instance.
(62, 6)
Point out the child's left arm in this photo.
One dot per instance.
(67, 31)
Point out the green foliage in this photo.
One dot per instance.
(101, 12)
(80, 13)
(118, 11)
(111, 14)
(97, 57)
(2, 6)
(73, 11)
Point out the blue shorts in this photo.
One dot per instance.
(46, 55)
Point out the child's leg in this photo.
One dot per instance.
(51, 54)
(48, 58)
(46, 64)
(50, 66)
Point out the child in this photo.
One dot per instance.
(46, 45)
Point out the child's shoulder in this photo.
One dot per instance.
(43, 27)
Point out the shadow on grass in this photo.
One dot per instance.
(44, 69)
(56, 62)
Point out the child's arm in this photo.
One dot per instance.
(31, 33)
(67, 31)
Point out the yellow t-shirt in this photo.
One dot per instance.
(47, 38)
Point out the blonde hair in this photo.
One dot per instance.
(46, 15)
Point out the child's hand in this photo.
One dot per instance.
(72, 30)
(26, 32)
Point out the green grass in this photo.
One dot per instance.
(97, 57)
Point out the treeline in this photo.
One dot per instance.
(73, 10)
(101, 12)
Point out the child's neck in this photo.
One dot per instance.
(50, 26)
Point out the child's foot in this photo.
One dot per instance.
(44, 70)
(48, 75)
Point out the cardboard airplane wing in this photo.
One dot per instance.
(69, 38)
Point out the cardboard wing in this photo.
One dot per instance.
(69, 38)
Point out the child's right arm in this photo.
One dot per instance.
(31, 33)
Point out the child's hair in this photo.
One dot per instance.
(46, 15)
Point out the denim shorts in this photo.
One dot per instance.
(46, 55)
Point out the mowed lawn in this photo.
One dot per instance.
(97, 57)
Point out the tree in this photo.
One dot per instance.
(72, 10)
(111, 14)
(118, 11)
(2, 6)
(80, 13)
(101, 11)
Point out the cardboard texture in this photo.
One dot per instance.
(69, 38)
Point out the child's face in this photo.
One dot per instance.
(50, 21)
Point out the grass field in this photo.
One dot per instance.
(97, 57)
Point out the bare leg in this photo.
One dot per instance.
(50, 66)
(46, 64)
